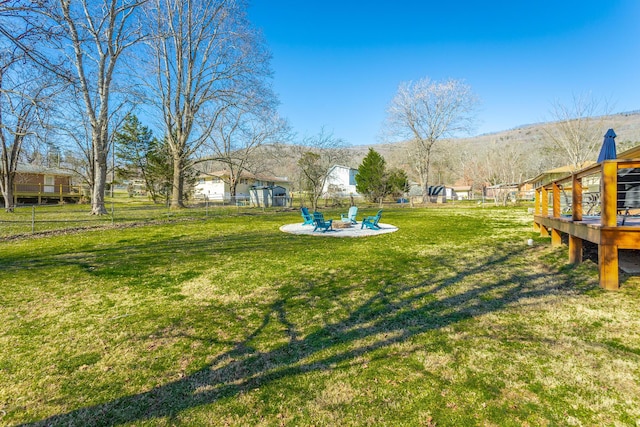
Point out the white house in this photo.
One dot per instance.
(341, 182)
(259, 190)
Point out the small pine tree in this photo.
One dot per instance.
(370, 179)
(397, 182)
(133, 143)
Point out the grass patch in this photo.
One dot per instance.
(452, 320)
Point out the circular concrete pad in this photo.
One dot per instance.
(354, 231)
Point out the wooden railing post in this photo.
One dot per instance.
(608, 251)
(609, 193)
(555, 199)
(536, 209)
(576, 198)
(556, 239)
(544, 206)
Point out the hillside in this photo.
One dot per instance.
(626, 126)
(530, 138)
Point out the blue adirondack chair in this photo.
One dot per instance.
(306, 216)
(320, 223)
(371, 222)
(351, 216)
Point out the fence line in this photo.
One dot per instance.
(33, 219)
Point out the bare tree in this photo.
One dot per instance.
(94, 35)
(237, 137)
(503, 167)
(316, 156)
(74, 127)
(24, 92)
(576, 129)
(206, 58)
(426, 111)
(20, 100)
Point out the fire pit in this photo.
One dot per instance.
(341, 224)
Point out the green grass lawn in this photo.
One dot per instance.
(453, 320)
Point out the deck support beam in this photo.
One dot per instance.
(608, 263)
(575, 250)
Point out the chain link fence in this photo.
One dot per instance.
(35, 219)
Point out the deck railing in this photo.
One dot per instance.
(603, 190)
(47, 190)
(606, 192)
(44, 192)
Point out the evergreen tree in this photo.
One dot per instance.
(133, 144)
(159, 176)
(397, 182)
(370, 179)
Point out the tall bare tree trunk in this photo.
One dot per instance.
(99, 179)
(98, 34)
(177, 186)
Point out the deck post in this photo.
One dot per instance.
(544, 231)
(575, 250)
(536, 209)
(556, 200)
(609, 193)
(556, 238)
(576, 198)
(544, 210)
(608, 263)
(608, 251)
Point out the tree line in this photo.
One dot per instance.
(76, 75)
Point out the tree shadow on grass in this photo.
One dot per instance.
(396, 313)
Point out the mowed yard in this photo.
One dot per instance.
(453, 320)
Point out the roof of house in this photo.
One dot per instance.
(343, 167)
(632, 153)
(245, 174)
(561, 171)
(39, 169)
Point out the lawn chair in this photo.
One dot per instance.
(351, 216)
(320, 223)
(371, 222)
(628, 191)
(306, 216)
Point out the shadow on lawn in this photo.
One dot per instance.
(394, 314)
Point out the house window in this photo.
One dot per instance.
(49, 181)
(352, 176)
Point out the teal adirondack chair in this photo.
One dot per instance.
(371, 222)
(351, 216)
(306, 216)
(320, 223)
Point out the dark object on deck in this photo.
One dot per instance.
(628, 190)
(608, 149)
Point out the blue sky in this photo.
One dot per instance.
(337, 64)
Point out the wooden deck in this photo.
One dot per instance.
(606, 230)
(46, 192)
